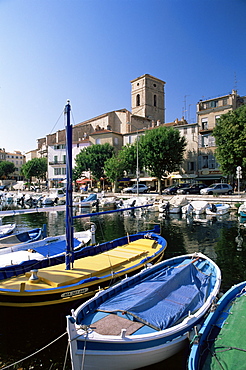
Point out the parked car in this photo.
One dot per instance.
(173, 189)
(142, 188)
(217, 189)
(193, 189)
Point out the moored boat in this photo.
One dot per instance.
(22, 257)
(242, 210)
(174, 205)
(197, 207)
(221, 342)
(6, 229)
(22, 237)
(146, 318)
(217, 209)
(96, 267)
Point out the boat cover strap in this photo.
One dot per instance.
(164, 298)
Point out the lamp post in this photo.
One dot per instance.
(137, 170)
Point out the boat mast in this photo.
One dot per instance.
(69, 189)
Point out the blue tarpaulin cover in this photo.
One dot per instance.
(90, 198)
(163, 298)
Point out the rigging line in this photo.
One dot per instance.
(65, 360)
(33, 354)
(56, 123)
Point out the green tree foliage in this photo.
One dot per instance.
(114, 169)
(36, 167)
(128, 155)
(230, 137)
(162, 150)
(93, 158)
(6, 168)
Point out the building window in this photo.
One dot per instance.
(225, 101)
(204, 124)
(214, 103)
(216, 120)
(64, 171)
(57, 171)
(116, 141)
(205, 141)
(64, 159)
(138, 100)
(193, 130)
(154, 100)
(185, 131)
(55, 159)
(191, 166)
(204, 161)
(98, 141)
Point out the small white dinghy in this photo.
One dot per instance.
(217, 209)
(198, 207)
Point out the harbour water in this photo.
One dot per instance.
(23, 333)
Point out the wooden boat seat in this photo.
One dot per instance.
(113, 324)
(102, 264)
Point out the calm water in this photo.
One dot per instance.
(23, 333)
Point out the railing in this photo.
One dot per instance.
(57, 162)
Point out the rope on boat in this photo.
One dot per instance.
(33, 354)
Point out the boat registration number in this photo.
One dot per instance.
(74, 292)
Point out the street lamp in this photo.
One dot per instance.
(137, 170)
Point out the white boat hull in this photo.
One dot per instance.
(221, 209)
(128, 360)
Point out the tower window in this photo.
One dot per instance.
(154, 100)
(154, 85)
(138, 100)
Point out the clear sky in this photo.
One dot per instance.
(88, 51)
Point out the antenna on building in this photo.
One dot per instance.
(185, 110)
(235, 81)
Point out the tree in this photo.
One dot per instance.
(114, 169)
(93, 158)
(6, 168)
(162, 149)
(36, 167)
(230, 138)
(128, 155)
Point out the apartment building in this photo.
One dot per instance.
(18, 159)
(208, 113)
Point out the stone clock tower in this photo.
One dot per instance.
(148, 98)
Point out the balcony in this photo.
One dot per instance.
(57, 163)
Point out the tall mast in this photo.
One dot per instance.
(69, 190)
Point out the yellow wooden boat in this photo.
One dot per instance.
(55, 285)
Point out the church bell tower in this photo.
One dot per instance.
(148, 97)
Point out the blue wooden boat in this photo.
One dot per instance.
(22, 257)
(22, 237)
(221, 342)
(145, 318)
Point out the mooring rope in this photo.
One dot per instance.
(33, 354)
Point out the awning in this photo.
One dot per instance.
(145, 179)
(83, 181)
(212, 177)
(125, 179)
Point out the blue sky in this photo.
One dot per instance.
(88, 51)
